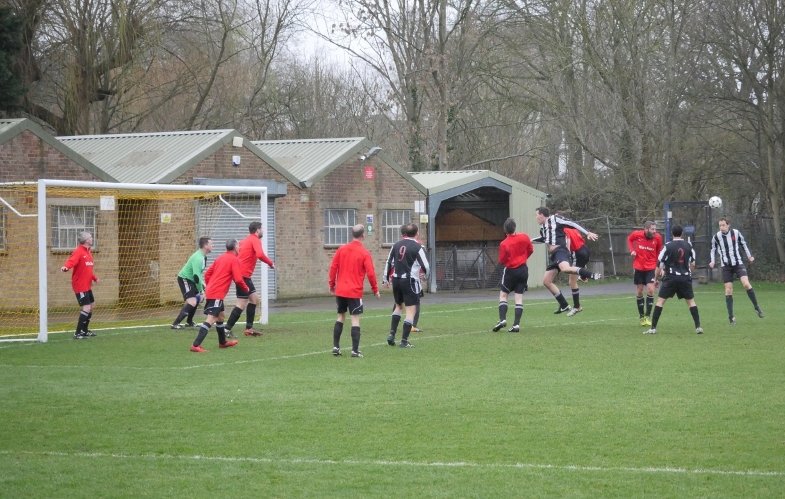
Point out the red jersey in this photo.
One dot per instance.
(351, 263)
(81, 261)
(646, 250)
(224, 270)
(575, 237)
(251, 251)
(515, 250)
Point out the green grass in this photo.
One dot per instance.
(577, 407)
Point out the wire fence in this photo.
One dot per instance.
(612, 253)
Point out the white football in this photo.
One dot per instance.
(715, 202)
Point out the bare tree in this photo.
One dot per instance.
(745, 82)
(407, 44)
(73, 49)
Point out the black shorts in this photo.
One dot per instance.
(729, 272)
(515, 280)
(243, 294)
(682, 288)
(85, 298)
(406, 291)
(643, 277)
(213, 307)
(187, 288)
(353, 305)
(560, 254)
(581, 257)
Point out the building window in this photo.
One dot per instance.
(68, 222)
(2, 229)
(338, 226)
(391, 224)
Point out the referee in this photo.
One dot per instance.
(728, 244)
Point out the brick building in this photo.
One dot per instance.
(27, 153)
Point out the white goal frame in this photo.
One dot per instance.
(42, 232)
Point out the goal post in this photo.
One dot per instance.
(143, 235)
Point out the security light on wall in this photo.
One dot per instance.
(373, 151)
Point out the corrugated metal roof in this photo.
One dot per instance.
(7, 124)
(310, 159)
(148, 157)
(10, 128)
(438, 181)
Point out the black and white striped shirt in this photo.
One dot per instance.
(552, 231)
(406, 260)
(729, 247)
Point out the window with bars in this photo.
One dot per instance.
(391, 224)
(338, 226)
(68, 222)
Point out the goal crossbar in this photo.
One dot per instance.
(43, 184)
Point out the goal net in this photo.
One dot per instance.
(143, 235)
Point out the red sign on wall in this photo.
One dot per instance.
(370, 173)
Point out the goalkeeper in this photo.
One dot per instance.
(191, 282)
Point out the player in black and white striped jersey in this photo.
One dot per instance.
(403, 267)
(728, 244)
(553, 236)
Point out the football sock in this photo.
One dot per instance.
(576, 298)
(236, 312)
(518, 314)
(639, 302)
(562, 301)
(416, 315)
(396, 319)
(355, 338)
(407, 328)
(87, 322)
(219, 328)
(729, 305)
(337, 330)
(502, 310)
(751, 294)
(649, 305)
(191, 313)
(184, 312)
(203, 329)
(250, 315)
(80, 323)
(655, 317)
(695, 317)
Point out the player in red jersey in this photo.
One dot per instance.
(250, 252)
(580, 258)
(82, 278)
(645, 246)
(350, 265)
(514, 252)
(224, 270)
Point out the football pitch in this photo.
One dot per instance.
(585, 406)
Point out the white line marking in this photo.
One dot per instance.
(282, 357)
(414, 464)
